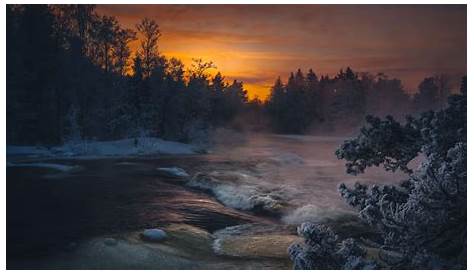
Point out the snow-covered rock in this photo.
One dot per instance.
(154, 235)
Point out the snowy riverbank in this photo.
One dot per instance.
(98, 149)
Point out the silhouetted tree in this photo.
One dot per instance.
(275, 105)
(427, 95)
(313, 97)
(33, 62)
(463, 89)
(65, 59)
(105, 31)
(121, 51)
(150, 31)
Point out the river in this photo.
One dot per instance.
(257, 186)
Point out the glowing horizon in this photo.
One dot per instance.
(257, 43)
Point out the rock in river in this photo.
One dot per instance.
(154, 235)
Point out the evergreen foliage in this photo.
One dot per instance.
(423, 220)
(308, 103)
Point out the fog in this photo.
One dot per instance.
(295, 176)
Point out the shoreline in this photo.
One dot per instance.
(54, 214)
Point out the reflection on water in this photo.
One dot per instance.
(293, 178)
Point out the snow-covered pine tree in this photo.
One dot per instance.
(321, 249)
(424, 218)
(422, 221)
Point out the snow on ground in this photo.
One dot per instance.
(58, 167)
(124, 147)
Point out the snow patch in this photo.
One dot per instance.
(124, 147)
(58, 167)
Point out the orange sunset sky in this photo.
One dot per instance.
(257, 43)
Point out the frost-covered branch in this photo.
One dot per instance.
(322, 249)
(423, 218)
(382, 142)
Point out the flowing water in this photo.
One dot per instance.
(301, 170)
(55, 218)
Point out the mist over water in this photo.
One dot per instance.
(297, 176)
(258, 183)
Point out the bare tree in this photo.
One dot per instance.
(121, 51)
(106, 29)
(148, 51)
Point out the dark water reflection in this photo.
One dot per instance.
(47, 211)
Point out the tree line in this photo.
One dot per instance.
(72, 75)
(308, 102)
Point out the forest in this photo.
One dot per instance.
(73, 76)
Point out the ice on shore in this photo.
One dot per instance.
(124, 147)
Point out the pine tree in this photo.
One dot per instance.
(313, 97)
(427, 96)
(276, 105)
(424, 219)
